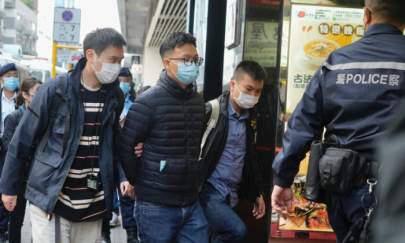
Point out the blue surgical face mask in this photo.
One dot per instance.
(125, 87)
(11, 83)
(187, 74)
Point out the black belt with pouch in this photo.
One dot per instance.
(341, 170)
(333, 170)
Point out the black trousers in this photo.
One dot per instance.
(344, 211)
(17, 218)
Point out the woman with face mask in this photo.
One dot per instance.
(27, 91)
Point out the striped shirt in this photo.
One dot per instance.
(77, 202)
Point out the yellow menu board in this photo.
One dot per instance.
(315, 32)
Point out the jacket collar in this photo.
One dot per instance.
(173, 88)
(376, 29)
(75, 77)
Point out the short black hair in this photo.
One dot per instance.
(390, 10)
(101, 39)
(251, 68)
(176, 39)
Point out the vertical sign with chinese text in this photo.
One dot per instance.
(261, 42)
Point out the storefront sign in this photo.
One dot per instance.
(261, 42)
(315, 32)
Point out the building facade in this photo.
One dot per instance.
(19, 26)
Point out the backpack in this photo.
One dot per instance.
(212, 122)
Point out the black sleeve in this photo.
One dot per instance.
(10, 124)
(305, 125)
(135, 130)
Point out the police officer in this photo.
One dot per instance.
(352, 96)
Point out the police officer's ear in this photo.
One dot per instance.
(368, 18)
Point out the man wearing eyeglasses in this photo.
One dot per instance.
(169, 120)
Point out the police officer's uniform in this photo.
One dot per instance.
(353, 95)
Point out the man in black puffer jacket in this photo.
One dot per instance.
(169, 120)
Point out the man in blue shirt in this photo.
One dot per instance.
(230, 165)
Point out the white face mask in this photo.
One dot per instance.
(109, 73)
(246, 101)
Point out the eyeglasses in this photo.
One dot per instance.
(188, 62)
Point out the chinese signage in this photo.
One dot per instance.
(261, 42)
(67, 25)
(315, 32)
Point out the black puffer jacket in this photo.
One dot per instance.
(252, 179)
(169, 121)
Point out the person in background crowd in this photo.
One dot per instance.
(69, 139)
(26, 92)
(168, 119)
(229, 156)
(127, 87)
(126, 203)
(10, 82)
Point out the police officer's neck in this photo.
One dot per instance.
(400, 26)
(89, 78)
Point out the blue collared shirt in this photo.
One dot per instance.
(228, 173)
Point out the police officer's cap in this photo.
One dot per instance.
(7, 68)
(125, 72)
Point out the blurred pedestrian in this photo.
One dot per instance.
(26, 92)
(9, 80)
(126, 203)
